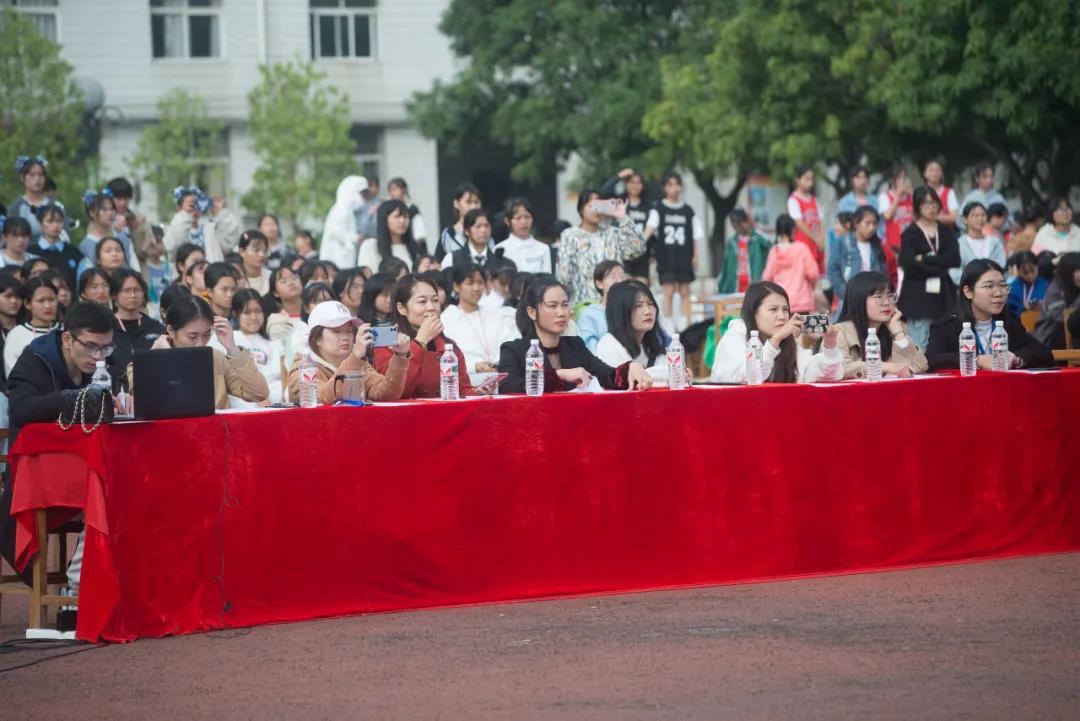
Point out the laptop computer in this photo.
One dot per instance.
(173, 383)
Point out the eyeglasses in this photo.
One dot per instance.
(131, 291)
(93, 349)
(995, 288)
(885, 298)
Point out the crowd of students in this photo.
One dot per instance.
(251, 295)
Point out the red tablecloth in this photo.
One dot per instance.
(243, 519)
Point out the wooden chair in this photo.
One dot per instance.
(1030, 318)
(40, 598)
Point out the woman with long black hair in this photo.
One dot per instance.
(870, 302)
(785, 357)
(393, 237)
(632, 331)
(543, 314)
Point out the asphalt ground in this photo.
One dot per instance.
(990, 640)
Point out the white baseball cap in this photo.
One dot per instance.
(331, 314)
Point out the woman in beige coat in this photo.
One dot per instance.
(870, 302)
(338, 342)
(189, 324)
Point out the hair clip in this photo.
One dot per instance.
(24, 161)
(88, 197)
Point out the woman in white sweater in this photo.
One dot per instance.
(478, 332)
(633, 335)
(39, 298)
(784, 357)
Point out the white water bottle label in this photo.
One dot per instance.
(674, 359)
(968, 346)
(536, 364)
(448, 371)
(308, 374)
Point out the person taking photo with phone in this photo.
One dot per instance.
(606, 232)
(786, 355)
(339, 343)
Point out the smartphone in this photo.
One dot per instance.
(384, 336)
(605, 207)
(490, 385)
(815, 323)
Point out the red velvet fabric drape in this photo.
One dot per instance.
(251, 518)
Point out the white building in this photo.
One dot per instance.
(378, 52)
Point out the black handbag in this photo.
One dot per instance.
(85, 405)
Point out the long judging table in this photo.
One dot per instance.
(242, 519)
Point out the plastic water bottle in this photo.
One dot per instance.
(873, 355)
(676, 365)
(754, 376)
(309, 383)
(448, 374)
(999, 347)
(534, 370)
(101, 378)
(967, 351)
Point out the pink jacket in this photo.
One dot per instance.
(794, 269)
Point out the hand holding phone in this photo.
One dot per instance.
(815, 323)
(384, 336)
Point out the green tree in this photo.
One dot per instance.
(299, 126)
(1003, 78)
(41, 110)
(552, 78)
(179, 148)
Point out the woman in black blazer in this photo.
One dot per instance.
(928, 249)
(543, 313)
(980, 301)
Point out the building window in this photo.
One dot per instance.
(185, 28)
(342, 29)
(368, 140)
(44, 14)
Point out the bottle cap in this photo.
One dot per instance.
(871, 331)
(450, 347)
(967, 324)
(99, 364)
(674, 337)
(753, 334)
(534, 341)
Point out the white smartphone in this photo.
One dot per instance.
(605, 207)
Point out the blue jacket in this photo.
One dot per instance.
(1017, 288)
(846, 261)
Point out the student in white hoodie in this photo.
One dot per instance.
(633, 332)
(528, 253)
(785, 357)
(340, 239)
(478, 332)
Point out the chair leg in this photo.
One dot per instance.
(38, 611)
(62, 555)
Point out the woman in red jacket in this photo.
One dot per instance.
(416, 311)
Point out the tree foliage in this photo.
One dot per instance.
(41, 110)
(554, 77)
(299, 126)
(1002, 77)
(177, 148)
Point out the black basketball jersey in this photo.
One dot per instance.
(674, 247)
(638, 214)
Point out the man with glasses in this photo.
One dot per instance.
(61, 360)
